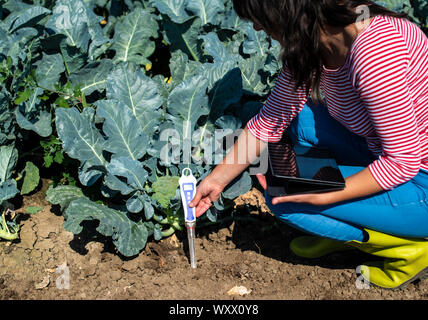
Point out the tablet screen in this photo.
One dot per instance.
(311, 163)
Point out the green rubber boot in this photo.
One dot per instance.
(316, 247)
(406, 260)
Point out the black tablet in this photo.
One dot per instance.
(296, 169)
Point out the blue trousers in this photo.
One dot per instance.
(401, 212)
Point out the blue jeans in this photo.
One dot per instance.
(400, 212)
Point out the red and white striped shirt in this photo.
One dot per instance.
(380, 93)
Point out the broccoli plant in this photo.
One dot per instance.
(9, 229)
(99, 82)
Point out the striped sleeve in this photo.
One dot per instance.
(379, 76)
(282, 105)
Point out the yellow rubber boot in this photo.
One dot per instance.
(406, 260)
(316, 247)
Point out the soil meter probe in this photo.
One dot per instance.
(188, 191)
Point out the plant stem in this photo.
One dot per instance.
(8, 236)
(5, 232)
(80, 99)
(159, 219)
(168, 232)
(83, 101)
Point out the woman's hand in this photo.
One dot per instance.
(246, 150)
(208, 191)
(359, 185)
(316, 199)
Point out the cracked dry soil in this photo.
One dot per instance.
(246, 252)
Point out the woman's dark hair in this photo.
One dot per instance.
(298, 22)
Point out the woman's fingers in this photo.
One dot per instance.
(317, 199)
(279, 200)
(300, 198)
(262, 181)
(203, 207)
(196, 199)
(206, 193)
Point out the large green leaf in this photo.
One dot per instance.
(215, 48)
(79, 24)
(8, 160)
(129, 237)
(187, 103)
(125, 138)
(207, 10)
(252, 79)
(93, 77)
(116, 184)
(184, 37)
(132, 170)
(33, 103)
(68, 19)
(166, 148)
(224, 61)
(31, 116)
(63, 195)
(164, 190)
(23, 15)
(232, 21)
(174, 9)
(128, 84)
(89, 173)
(81, 139)
(8, 190)
(214, 72)
(49, 70)
(132, 37)
(31, 178)
(181, 67)
(7, 118)
(15, 45)
(256, 42)
(40, 123)
(74, 58)
(226, 92)
(15, 6)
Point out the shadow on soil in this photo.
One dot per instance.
(261, 233)
(270, 237)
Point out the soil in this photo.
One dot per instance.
(250, 251)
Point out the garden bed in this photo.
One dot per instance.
(251, 251)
